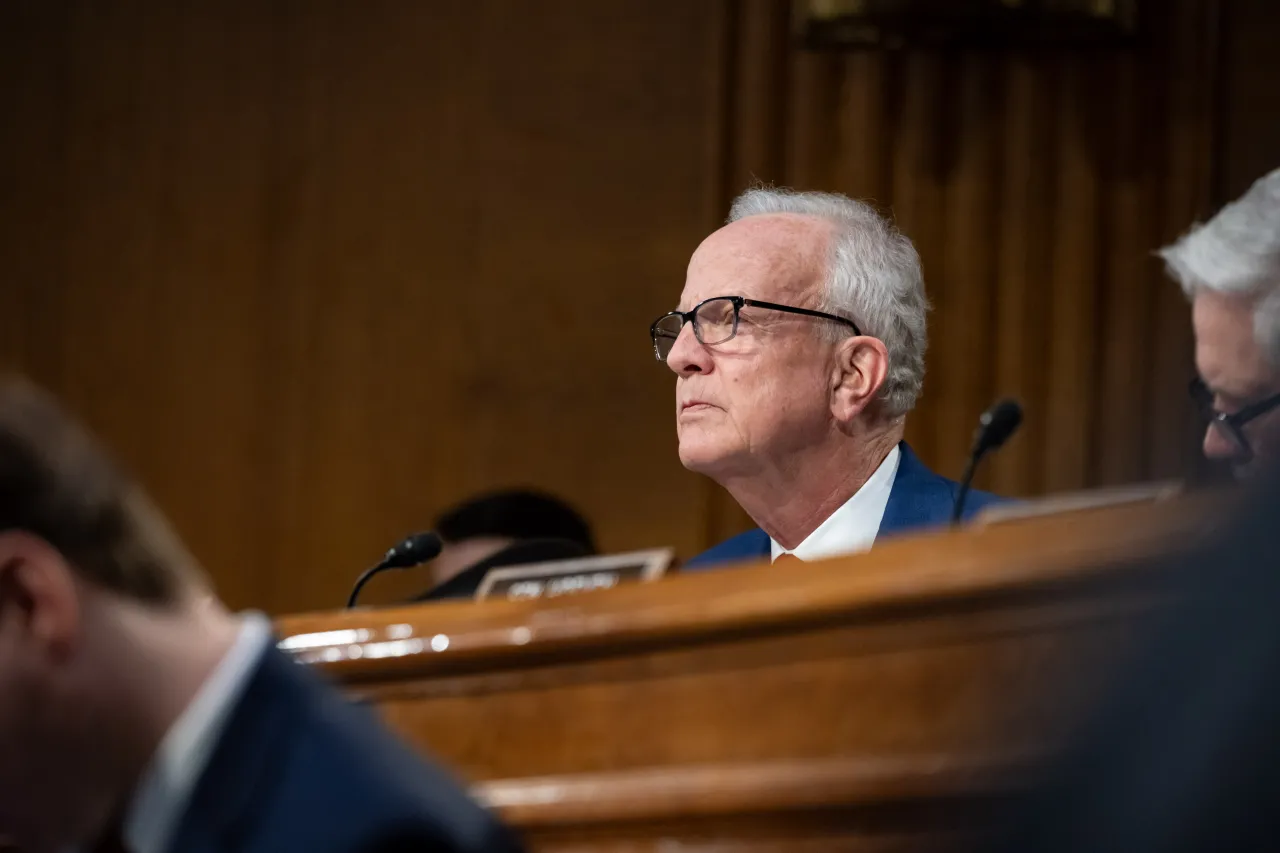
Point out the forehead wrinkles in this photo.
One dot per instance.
(762, 256)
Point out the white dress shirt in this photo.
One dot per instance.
(852, 527)
(162, 797)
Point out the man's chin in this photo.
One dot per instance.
(718, 462)
(702, 459)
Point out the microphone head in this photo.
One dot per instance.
(414, 550)
(997, 424)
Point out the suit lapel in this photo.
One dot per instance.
(918, 498)
(242, 766)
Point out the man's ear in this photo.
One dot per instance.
(39, 598)
(857, 375)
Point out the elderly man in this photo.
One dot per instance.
(1230, 270)
(798, 352)
(137, 714)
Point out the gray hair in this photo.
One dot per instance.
(874, 279)
(1238, 252)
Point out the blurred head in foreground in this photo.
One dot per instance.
(483, 527)
(1230, 269)
(135, 710)
(89, 575)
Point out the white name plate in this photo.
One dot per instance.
(569, 577)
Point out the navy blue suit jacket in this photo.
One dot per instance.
(919, 498)
(299, 767)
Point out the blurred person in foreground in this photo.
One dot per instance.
(138, 714)
(503, 528)
(799, 352)
(1183, 753)
(1230, 270)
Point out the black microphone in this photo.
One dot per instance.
(413, 551)
(994, 428)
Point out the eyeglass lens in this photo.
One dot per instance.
(1203, 398)
(714, 323)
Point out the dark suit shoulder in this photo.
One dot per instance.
(978, 501)
(753, 544)
(409, 839)
(314, 771)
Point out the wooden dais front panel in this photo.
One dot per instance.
(886, 701)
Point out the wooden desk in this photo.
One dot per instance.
(870, 703)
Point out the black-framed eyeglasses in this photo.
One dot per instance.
(1231, 425)
(715, 321)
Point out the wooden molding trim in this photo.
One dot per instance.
(678, 793)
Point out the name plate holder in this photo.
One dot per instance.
(556, 578)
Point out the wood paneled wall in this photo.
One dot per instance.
(317, 269)
(1249, 95)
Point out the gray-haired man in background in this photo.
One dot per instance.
(1230, 269)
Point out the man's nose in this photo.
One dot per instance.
(688, 355)
(1218, 446)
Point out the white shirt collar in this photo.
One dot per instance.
(852, 527)
(162, 797)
